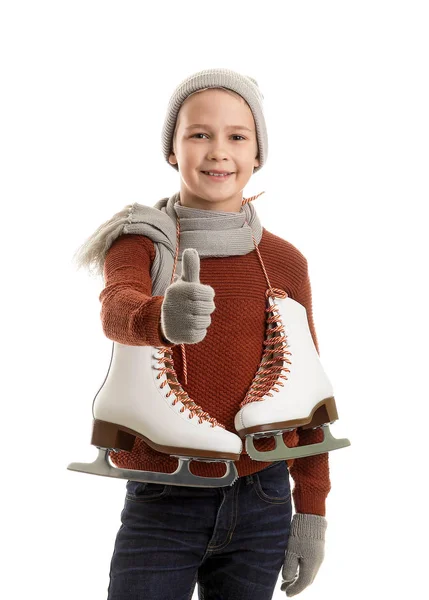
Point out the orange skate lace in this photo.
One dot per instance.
(269, 372)
(181, 395)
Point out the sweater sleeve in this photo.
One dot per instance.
(129, 313)
(310, 473)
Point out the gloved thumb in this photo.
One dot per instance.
(290, 569)
(190, 266)
(305, 579)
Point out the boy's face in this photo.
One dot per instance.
(227, 142)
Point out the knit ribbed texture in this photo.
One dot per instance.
(309, 526)
(222, 366)
(244, 85)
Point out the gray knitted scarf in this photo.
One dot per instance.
(211, 233)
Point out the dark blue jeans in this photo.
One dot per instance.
(231, 540)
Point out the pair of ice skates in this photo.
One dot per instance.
(140, 398)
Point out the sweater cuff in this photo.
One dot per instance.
(149, 321)
(309, 503)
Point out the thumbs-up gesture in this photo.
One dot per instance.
(187, 304)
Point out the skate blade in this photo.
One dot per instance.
(182, 476)
(283, 452)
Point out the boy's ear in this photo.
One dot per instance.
(173, 157)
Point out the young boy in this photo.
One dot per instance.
(232, 540)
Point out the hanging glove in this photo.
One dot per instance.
(306, 549)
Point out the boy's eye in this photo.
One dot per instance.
(234, 135)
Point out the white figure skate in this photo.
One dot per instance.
(305, 399)
(137, 398)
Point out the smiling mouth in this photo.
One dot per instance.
(217, 175)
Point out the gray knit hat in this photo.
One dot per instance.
(245, 86)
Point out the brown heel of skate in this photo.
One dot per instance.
(109, 435)
(324, 412)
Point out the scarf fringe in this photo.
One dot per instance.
(92, 253)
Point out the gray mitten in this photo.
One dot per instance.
(305, 552)
(187, 304)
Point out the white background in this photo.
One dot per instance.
(85, 87)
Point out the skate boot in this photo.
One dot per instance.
(305, 399)
(141, 399)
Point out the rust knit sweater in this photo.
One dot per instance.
(222, 366)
